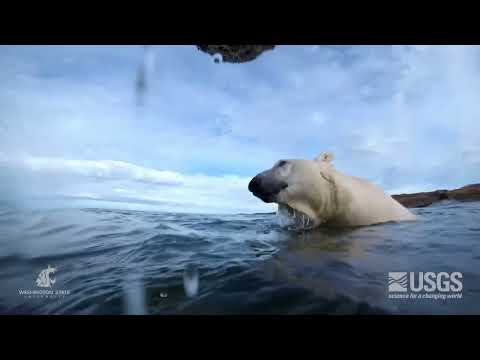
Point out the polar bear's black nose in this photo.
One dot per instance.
(254, 185)
(265, 187)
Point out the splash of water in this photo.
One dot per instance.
(292, 219)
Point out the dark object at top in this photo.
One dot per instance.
(235, 53)
(466, 193)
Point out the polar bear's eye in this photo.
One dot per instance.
(281, 163)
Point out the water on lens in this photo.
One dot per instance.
(217, 58)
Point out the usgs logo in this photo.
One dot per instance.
(442, 282)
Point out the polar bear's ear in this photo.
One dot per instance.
(324, 156)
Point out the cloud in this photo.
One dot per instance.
(117, 181)
(103, 169)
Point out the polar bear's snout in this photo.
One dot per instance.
(266, 187)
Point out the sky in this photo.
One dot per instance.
(406, 118)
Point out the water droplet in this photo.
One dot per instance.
(217, 58)
(190, 280)
(144, 74)
(134, 295)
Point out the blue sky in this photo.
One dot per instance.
(404, 117)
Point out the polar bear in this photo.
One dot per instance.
(322, 195)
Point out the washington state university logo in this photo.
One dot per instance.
(397, 281)
(44, 280)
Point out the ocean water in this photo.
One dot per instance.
(111, 261)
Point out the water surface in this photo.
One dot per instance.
(133, 262)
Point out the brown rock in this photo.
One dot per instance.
(236, 53)
(466, 193)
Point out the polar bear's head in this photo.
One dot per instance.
(304, 185)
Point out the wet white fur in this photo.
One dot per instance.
(329, 197)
